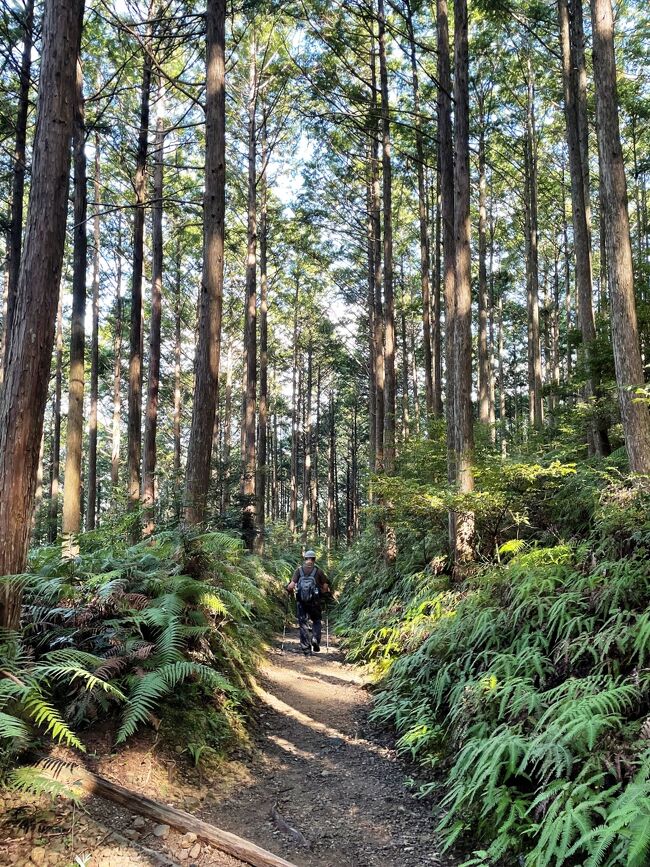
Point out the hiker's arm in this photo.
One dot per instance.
(323, 582)
(291, 586)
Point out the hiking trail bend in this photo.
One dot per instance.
(316, 759)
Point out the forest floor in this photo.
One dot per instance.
(316, 759)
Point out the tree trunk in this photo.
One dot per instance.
(23, 398)
(227, 444)
(372, 359)
(625, 335)
(330, 476)
(447, 208)
(74, 434)
(389, 301)
(176, 423)
(414, 382)
(38, 495)
(277, 464)
(436, 340)
(574, 84)
(153, 386)
(555, 336)
(18, 179)
(603, 284)
(492, 390)
(91, 504)
(484, 370)
(197, 477)
(567, 285)
(378, 330)
(353, 473)
(302, 444)
(422, 214)
(55, 471)
(307, 432)
(502, 381)
(462, 331)
(135, 331)
(348, 496)
(5, 290)
(262, 450)
(406, 421)
(532, 260)
(249, 517)
(313, 487)
(579, 73)
(293, 495)
(117, 368)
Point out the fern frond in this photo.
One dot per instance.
(46, 715)
(148, 689)
(32, 779)
(170, 642)
(11, 727)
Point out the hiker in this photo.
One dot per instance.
(310, 585)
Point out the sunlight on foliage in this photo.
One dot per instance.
(119, 629)
(527, 686)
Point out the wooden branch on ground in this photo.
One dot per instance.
(246, 851)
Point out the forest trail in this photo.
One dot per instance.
(316, 757)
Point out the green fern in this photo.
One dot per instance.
(11, 727)
(32, 779)
(46, 715)
(528, 681)
(149, 689)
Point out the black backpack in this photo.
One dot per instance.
(307, 590)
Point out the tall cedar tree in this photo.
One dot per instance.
(378, 313)
(91, 504)
(262, 445)
(573, 71)
(462, 333)
(117, 366)
(74, 434)
(153, 385)
(389, 299)
(206, 368)
(536, 411)
(55, 455)
(18, 169)
(625, 334)
(135, 331)
(429, 370)
(249, 529)
(447, 207)
(23, 398)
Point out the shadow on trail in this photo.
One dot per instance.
(341, 790)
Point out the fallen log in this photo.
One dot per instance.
(71, 775)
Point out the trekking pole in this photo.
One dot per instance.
(284, 630)
(327, 629)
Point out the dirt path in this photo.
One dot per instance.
(316, 758)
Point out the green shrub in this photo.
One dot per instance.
(526, 688)
(118, 629)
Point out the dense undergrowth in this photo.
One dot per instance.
(127, 636)
(525, 688)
